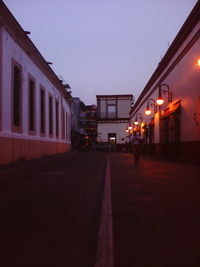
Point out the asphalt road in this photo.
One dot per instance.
(156, 212)
(49, 211)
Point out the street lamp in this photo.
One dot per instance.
(160, 99)
(137, 117)
(148, 111)
(130, 127)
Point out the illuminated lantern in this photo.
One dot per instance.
(129, 127)
(160, 100)
(197, 62)
(148, 111)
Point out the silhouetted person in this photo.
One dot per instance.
(136, 146)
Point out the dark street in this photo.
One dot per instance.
(99, 133)
(155, 213)
(50, 211)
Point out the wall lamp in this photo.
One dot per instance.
(130, 127)
(160, 99)
(137, 117)
(148, 111)
(197, 62)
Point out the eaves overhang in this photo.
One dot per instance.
(183, 33)
(11, 25)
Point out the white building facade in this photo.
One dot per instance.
(35, 116)
(113, 118)
(173, 128)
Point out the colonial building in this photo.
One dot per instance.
(78, 121)
(172, 129)
(89, 115)
(113, 118)
(35, 117)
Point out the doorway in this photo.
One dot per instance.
(112, 138)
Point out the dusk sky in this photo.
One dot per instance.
(102, 46)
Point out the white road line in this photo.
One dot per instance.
(104, 253)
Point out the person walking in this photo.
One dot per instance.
(136, 142)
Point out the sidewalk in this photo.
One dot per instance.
(156, 218)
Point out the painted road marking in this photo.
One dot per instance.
(104, 253)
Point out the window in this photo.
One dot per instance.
(57, 118)
(63, 124)
(112, 138)
(69, 127)
(165, 130)
(17, 97)
(31, 102)
(151, 133)
(1, 67)
(50, 115)
(111, 109)
(42, 111)
(66, 126)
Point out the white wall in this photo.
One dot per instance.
(103, 106)
(11, 50)
(124, 107)
(184, 83)
(118, 128)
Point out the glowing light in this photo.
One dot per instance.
(129, 128)
(136, 122)
(197, 62)
(147, 112)
(160, 101)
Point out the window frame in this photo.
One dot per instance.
(16, 128)
(63, 123)
(42, 133)
(50, 112)
(32, 79)
(66, 126)
(1, 80)
(57, 124)
(111, 103)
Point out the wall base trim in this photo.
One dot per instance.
(187, 152)
(13, 149)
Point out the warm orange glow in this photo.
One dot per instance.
(147, 112)
(160, 101)
(197, 62)
(136, 122)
